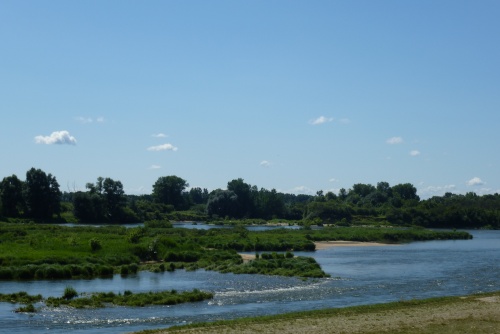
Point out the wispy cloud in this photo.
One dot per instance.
(56, 137)
(164, 147)
(88, 120)
(475, 181)
(159, 135)
(333, 180)
(265, 163)
(437, 190)
(321, 120)
(155, 167)
(83, 120)
(344, 121)
(394, 140)
(414, 153)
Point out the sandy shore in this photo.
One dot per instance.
(461, 315)
(328, 244)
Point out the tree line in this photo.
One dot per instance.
(104, 200)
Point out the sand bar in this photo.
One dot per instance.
(328, 244)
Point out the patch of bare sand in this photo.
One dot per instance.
(247, 257)
(328, 244)
(439, 318)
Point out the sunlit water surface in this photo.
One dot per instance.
(360, 275)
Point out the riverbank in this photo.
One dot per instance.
(329, 244)
(468, 314)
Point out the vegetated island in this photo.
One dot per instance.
(478, 313)
(40, 251)
(71, 298)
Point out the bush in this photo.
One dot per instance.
(6, 273)
(133, 268)
(69, 293)
(26, 309)
(124, 270)
(95, 245)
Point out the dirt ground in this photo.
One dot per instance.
(474, 315)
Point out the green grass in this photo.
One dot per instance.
(21, 297)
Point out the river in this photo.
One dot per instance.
(360, 275)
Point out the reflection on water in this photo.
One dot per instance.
(361, 275)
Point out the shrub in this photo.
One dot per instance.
(6, 273)
(95, 244)
(133, 268)
(26, 309)
(105, 271)
(124, 270)
(69, 293)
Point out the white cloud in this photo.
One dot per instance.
(56, 137)
(475, 181)
(164, 147)
(414, 153)
(265, 163)
(344, 121)
(321, 120)
(333, 180)
(159, 135)
(155, 167)
(100, 120)
(394, 140)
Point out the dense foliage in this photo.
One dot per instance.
(39, 197)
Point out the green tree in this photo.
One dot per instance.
(362, 190)
(42, 194)
(169, 189)
(114, 197)
(105, 200)
(222, 203)
(11, 196)
(88, 206)
(198, 195)
(405, 191)
(270, 204)
(244, 202)
(343, 194)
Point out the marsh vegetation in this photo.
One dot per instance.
(38, 251)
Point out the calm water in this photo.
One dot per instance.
(360, 275)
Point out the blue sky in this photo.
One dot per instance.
(299, 96)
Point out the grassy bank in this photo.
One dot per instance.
(470, 314)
